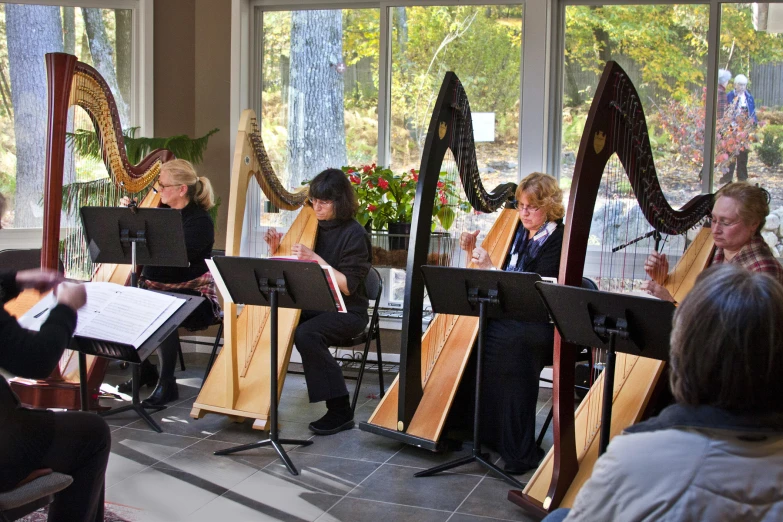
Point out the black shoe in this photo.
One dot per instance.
(149, 377)
(163, 393)
(335, 421)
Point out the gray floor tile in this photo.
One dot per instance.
(243, 433)
(360, 510)
(423, 459)
(324, 474)
(489, 499)
(396, 484)
(134, 450)
(177, 421)
(354, 444)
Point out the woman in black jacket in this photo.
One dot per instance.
(74, 443)
(515, 352)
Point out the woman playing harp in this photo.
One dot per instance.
(738, 216)
(515, 351)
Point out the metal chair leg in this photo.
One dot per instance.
(213, 355)
(380, 360)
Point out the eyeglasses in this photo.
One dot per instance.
(529, 208)
(321, 202)
(158, 186)
(725, 224)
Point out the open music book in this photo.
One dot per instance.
(113, 313)
(331, 278)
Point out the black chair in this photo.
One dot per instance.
(14, 260)
(373, 284)
(32, 496)
(584, 355)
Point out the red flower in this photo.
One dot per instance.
(383, 184)
(372, 208)
(441, 184)
(373, 165)
(415, 177)
(370, 185)
(413, 171)
(443, 199)
(350, 171)
(355, 179)
(367, 169)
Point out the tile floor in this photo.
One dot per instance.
(351, 476)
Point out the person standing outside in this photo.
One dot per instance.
(742, 106)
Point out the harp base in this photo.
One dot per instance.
(403, 437)
(532, 506)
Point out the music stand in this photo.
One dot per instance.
(131, 236)
(275, 283)
(128, 353)
(616, 322)
(486, 294)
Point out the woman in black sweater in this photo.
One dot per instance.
(181, 188)
(74, 443)
(343, 244)
(515, 352)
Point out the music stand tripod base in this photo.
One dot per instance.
(136, 405)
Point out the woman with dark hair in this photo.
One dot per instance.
(514, 351)
(717, 454)
(343, 244)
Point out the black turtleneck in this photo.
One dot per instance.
(345, 245)
(199, 239)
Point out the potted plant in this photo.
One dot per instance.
(386, 199)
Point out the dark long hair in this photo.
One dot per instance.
(333, 185)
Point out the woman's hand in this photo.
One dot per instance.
(656, 290)
(125, 201)
(467, 240)
(41, 280)
(657, 267)
(481, 259)
(273, 238)
(305, 254)
(71, 295)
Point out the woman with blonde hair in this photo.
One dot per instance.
(181, 188)
(514, 351)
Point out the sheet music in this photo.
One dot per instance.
(113, 313)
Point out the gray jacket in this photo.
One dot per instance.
(689, 464)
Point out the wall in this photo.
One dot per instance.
(191, 84)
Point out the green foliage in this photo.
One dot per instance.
(771, 149)
(86, 143)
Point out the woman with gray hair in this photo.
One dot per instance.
(717, 453)
(740, 102)
(723, 81)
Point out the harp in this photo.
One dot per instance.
(615, 126)
(72, 83)
(238, 383)
(415, 407)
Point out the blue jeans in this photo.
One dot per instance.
(557, 515)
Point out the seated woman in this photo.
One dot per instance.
(343, 244)
(181, 188)
(717, 454)
(738, 216)
(515, 352)
(31, 441)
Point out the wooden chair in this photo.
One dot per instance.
(32, 496)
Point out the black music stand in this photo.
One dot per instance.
(275, 283)
(128, 353)
(131, 236)
(486, 294)
(616, 322)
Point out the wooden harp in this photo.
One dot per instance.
(73, 83)
(238, 383)
(615, 125)
(415, 407)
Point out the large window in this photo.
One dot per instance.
(99, 37)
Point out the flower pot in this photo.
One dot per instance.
(399, 236)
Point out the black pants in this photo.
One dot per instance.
(514, 355)
(741, 163)
(316, 332)
(80, 448)
(200, 318)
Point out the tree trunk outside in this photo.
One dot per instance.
(69, 30)
(124, 47)
(31, 32)
(316, 126)
(101, 52)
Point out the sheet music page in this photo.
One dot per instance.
(331, 278)
(113, 313)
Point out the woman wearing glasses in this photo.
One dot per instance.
(738, 216)
(514, 351)
(181, 188)
(343, 244)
